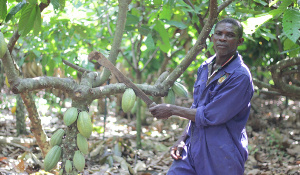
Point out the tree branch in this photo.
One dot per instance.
(191, 55)
(78, 68)
(122, 13)
(224, 5)
(30, 84)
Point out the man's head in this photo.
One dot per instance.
(227, 37)
(235, 23)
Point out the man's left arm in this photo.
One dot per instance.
(226, 103)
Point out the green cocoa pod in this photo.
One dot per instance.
(170, 98)
(70, 116)
(3, 45)
(52, 157)
(56, 138)
(68, 166)
(128, 100)
(134, 108)
(180, 90)
(61, 172)
(84, 124)
(78, 161)
(82, 144)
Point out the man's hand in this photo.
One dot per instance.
(161, 111)
(176, 150)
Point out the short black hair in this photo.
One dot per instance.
(233, 22)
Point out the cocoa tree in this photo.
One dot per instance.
(91, 85)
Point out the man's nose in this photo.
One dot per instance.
(222, 37)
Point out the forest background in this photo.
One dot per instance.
(45, 70)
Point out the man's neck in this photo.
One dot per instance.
(221, 60)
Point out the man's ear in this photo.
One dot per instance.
(240, 41)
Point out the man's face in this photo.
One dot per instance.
(226, 40)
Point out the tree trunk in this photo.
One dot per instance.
(20, 115)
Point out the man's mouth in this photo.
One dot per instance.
(221, 46)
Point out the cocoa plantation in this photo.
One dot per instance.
(77, 79)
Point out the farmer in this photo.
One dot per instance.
(215, 141)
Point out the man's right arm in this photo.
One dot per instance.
(178, 146)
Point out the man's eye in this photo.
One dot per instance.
(230, 35)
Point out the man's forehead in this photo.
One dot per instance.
(226, 27)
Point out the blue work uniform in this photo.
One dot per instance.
(217, 140)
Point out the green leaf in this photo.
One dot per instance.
(261, 2)
(178, 24)
(291, 48)
(144, 30)
(157, 2)
(164, 44)
(166, 13)
(38, 22)
(27, 19)
(252, 24)
(291, 24)
(15, 10)
(62, 4)
(131, 19)
(3, 9)
(33, 2)
(273, 2)
(149, 42)
(55, 4)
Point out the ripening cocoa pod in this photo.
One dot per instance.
(52, 157)
(128, 100)
(56, 138)
(3, 45)
(170, 98)
(70, 116)
(180, 90)
(84, 124)
(78, 161)
(82, 144)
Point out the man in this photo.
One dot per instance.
(215, 140)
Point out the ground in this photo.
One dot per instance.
(273, 131)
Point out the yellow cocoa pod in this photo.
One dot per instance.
(84, 124)
(70, 116)
(78, 161)
(82, 144)
(128, 100)
(180, 90)
(56, 138)
(170, 98)
(13, 109)
(68, 166)
(3, 45)
(52, 157)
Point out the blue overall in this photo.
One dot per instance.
(217, 140)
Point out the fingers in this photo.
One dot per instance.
(175, 154)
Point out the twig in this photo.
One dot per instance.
(78, 68)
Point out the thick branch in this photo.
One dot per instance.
(178, 71)
(122, 13)
(30, 84)
(36, 126)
